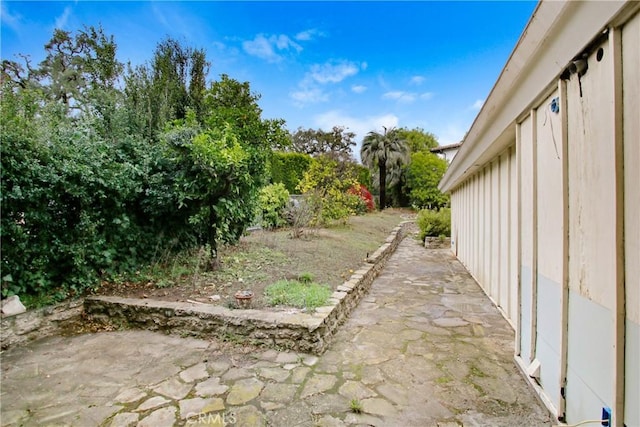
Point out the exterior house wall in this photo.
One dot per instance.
(545, 198)
(631, 155)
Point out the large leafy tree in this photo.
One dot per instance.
(336, 143)
(221, 164)
(77, 64)
(164, 90)
(418, 139)
(422, 177)
(379, 151)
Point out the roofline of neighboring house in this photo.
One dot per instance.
(556, 34)
(441, 148)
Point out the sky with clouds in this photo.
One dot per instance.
(361, 65)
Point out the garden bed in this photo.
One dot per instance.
(328, 255)
(285, 329)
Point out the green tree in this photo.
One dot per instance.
(418, 140)
(164, 90)
(336, 143)
(76, 64)
(221, 165)
(423, 175)
(379, 151)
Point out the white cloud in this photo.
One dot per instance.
(308, 34)
(9, 20)
(61, 21)
(417, 80)
(426, 95)
(358, 125)
(333, 72)
(477, 105)
(400, 96)
(308, 96)
(358, 88)
(451, 133)
(270, 48)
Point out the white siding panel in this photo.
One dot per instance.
(592, 241)
(631, 132)
(513, 237)
(526, 238)
(550, 238)
(495, 232)
(503, 220)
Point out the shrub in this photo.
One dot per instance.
(365, 196)
(273, 199)
(434, 222)
(326, 185)
(295, 293)
(289, 168)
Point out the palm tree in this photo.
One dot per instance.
(381, 151)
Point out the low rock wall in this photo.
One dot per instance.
(31, 325)
(297, 331)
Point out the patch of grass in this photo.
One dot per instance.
(305, 278)
(299, 294)
(355, 406)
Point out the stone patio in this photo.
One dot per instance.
(425, 347)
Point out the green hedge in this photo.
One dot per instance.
(289, 168)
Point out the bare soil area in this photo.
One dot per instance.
(261, 258)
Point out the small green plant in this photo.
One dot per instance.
(434, 222)
(305, 277)
(294, 293)
(355, 406)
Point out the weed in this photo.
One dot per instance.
(305, 277)
(355, 406)
(297, 294)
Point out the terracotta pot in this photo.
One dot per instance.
(243, 298)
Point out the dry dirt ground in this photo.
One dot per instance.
(261, 258)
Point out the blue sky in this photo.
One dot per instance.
(362, 65)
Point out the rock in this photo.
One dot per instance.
(151, 403)
(164, 417)
(12, 306)
(281, 393)
(125, 419)
(215, 298)
(377, 406)
(130, 395)
(318, 384)
(247, 416)
(211, 387)
(196, 407)
(173, 388)
(329, 421)
(355, 390)
(244, 390)
(277, 374)
(194, 373)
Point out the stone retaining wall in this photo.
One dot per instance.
(25, 327)
(297, 331)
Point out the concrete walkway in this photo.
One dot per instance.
(424, 348)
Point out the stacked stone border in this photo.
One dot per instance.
(304, 332)
(35, 324)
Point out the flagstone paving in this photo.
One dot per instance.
(424, 348)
